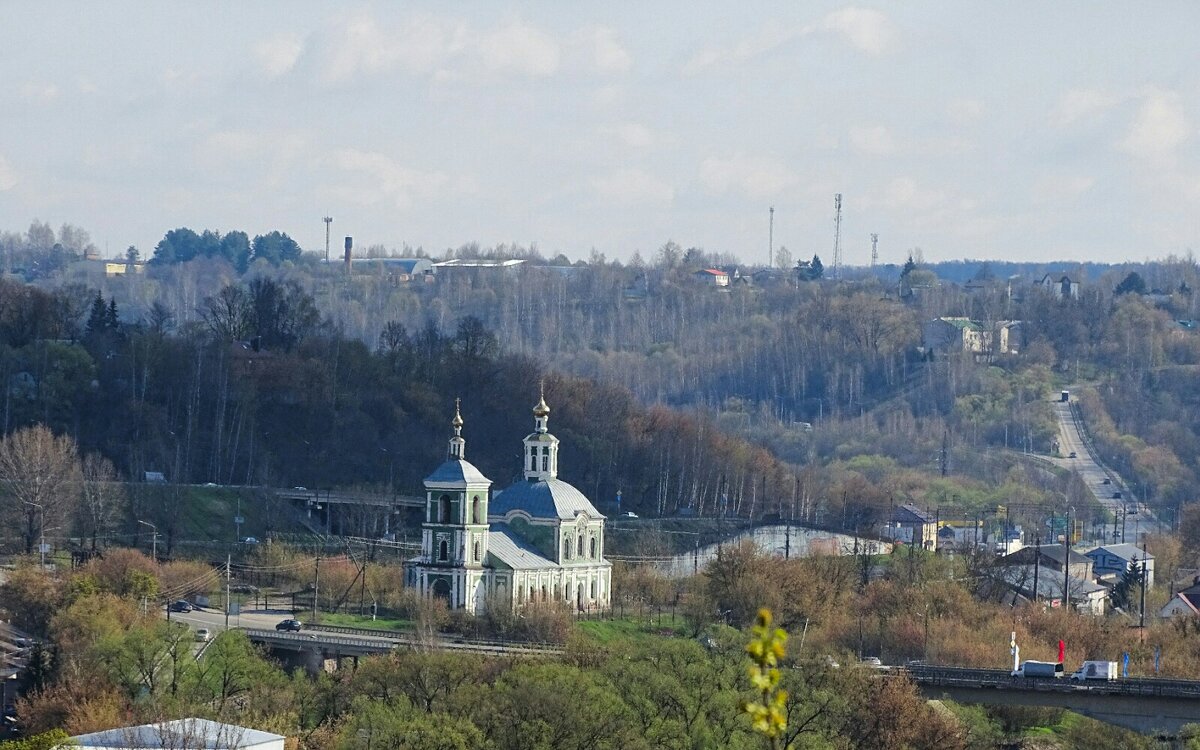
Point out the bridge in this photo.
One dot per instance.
(1157, 707)
(345, 512)
(323, 647)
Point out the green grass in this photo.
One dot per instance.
(610, 631)
(359, 621)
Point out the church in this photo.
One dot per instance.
(538, 540)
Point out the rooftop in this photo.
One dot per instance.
(181, 734)
(546, 498)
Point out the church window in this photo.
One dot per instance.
(476, 550)
(593, 589)
(444, 509)
(476, 507)
(533, 459)
(444, 550)
(579, 545)
(593, 550)
(567, 548)
(545, 459)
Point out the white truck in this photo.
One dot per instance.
(1096, 670)
(1040, 669)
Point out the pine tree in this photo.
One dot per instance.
(1122, 593)
(111, 320)
(816, 269)
(98, 319)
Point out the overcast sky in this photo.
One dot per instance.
(968, 129)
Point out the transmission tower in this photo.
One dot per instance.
(328, 221)
(837, 235)
(874, 249)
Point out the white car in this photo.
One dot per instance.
(203, 635)
(629, 514)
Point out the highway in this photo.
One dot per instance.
(1102, 483)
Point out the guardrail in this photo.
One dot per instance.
(410, 636)
(1004, 680)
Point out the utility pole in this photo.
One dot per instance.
(1067, 563)
(945, 451)
(154, 538)
(1142, 618)
(316, 586)
(328, 221)
(227, 559)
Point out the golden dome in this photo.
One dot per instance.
(458, 420)
(541, 410)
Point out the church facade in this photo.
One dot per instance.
(538, 540)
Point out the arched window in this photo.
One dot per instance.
(579, 545)
(545, 459)
(476, 508)
(567, 548)
(476, 550)
(444, 509)
(533, 459)
(593, 589)
(593, 548)
(444, 551)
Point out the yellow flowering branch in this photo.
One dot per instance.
(767, 646)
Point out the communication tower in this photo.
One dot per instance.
(328, 221)
(771, 239)
(837, 235)
(874, 249)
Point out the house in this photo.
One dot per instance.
(908, 523)
(948, 335)
(396, 269)
(1011, 584)
(1114, 559)
(1061, 288)
(538, 540)
(181, 734)
(769, 277)
(1185, 603)
(1050, 557)
(1008, 337)
(712, 277)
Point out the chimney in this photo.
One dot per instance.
(349, 249)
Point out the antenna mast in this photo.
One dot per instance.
(328, 221)
(837, 235)
(771, 239)
(874, 249)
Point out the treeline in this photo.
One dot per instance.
(236, 248)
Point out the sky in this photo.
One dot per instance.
(1022, 131)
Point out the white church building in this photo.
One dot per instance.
(539, 540)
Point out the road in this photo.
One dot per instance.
(1103, 484)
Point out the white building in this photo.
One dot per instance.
(181, 734)
(539, 540)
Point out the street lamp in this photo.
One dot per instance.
(41, 529)
(154, 538)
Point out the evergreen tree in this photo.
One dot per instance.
(98, 318)
(816, 269)
(1131, 579)
(909, 267)
(111, 320)
(1133, 283)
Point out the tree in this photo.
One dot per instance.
(1128, 587)
(909, 266)
(1133, 283)
(101, 497)
(783, 258)
(275, 248)
(97, 322)
(44, 477)
(816, 269)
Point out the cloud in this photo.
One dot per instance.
(8, 175)
(963, 111)
(388, 179)
(867, 30)
(755, 177)
(630, 185)
(1056, 188)
(605, 51)
(39, 92)
(769, 38)
(278, 54)
(875, 140)
(631, 134)
(520, 48)
(1079, 104)
(1159, 127)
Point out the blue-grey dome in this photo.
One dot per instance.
(547, 498)
(457, 471)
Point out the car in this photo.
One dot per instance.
(1132, 510)
(203, 635)
(181, 605)
(210, 484)
(629, 514)
(1106, 480)
(300, 489)
(250, 540)
(872, 661)
(1116, 496)
(290, 625)
(1073, 455)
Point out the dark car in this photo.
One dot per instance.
(1116, 496)
(181, 605)
(290, 625)
(1073, 455)
(1106, 480)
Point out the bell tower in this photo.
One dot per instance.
(541, 448)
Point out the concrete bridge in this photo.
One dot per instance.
(1156, 707)
(345, 512)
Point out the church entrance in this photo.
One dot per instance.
(441, 589)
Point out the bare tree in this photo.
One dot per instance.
(101, 497)
(43, 476)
